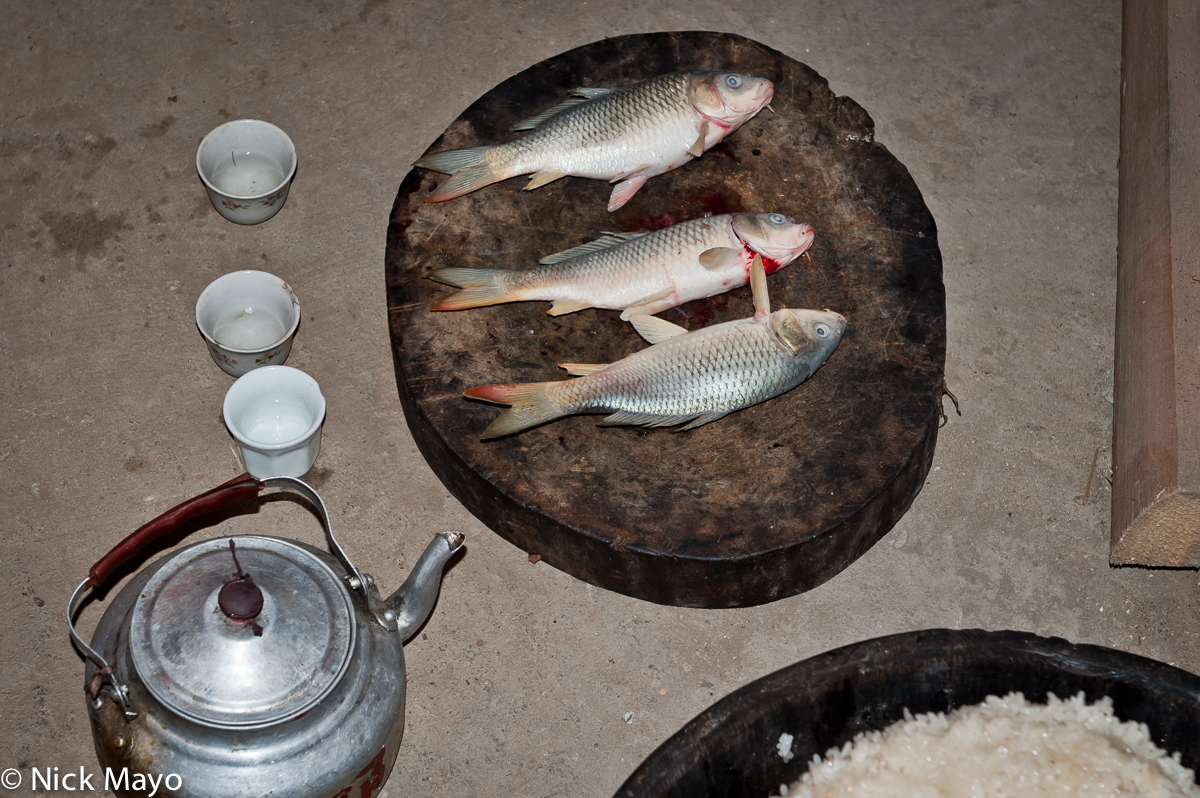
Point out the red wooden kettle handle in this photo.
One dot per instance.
(235, 490)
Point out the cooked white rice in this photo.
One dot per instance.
(1002, 747)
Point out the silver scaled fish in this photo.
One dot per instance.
(625, 135)
(689, 378)
(644, 273)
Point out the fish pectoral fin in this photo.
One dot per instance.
(646, 305)
(697, 149)
(561, 307)
(703, 419)
(542, 178)
(654, 329)
(629, 418)
(718, 258)
(624, 191)
(583, 369)
(603, 242)
(545, 116)
(758, 285)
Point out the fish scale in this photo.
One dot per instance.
(638, 273)
(627, 134)
(647, 119)
(689, 378)
(714, 370)
(600, 274)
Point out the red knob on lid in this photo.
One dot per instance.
(240, 599)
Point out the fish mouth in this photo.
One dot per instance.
(765, 93)
(784, 253)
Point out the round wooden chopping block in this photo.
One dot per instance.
(769, 501)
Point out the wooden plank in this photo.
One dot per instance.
(1183, 88)
(1156, 434)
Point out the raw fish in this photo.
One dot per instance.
(639, 273)
(689, 378)
(625, 135)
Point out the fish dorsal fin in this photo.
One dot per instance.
(603, 242)
(578, 97)
(654, 329)
(758, 285)
(718, 258)
(582, 369)
(549, 113)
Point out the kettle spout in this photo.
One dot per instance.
(413, 602)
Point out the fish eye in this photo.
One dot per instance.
(733, 81)
(776, 218)
(822, 330)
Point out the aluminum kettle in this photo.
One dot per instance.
(250, 665)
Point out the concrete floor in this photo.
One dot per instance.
(1006, 114)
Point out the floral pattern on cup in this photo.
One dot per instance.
(224, 358)
(238, 291)
(233, 206)
(270, 201)
(262, 360)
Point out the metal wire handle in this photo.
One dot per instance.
(238, 489)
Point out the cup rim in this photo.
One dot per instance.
(291, 331)
(261, 195)
(291, 443)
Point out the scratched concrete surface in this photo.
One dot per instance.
(1005, 112)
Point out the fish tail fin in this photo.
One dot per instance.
(481, 287)
(468, 170)
(530, 406)
(464, 181)
(451, 161)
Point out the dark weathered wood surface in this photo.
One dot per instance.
(1156, 425)
(728, 751)
(769, 501)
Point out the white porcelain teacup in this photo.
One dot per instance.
(248, 319)
(275, 414)
(247, 167)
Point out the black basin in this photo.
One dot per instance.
(729, 749)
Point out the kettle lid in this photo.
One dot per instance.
(242, 641)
